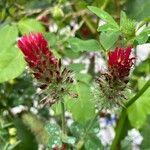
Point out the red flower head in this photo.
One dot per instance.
(112, 83)
(45, 67)
(120, 62)
(38, 56)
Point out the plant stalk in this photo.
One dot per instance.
(118, 9)
(121, 123)
(63, 118)
(145, 87)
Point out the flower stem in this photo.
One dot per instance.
(145, 87)
(119, 128)
(118, 9)
(82, 140)
(121, 123)
(63, 117)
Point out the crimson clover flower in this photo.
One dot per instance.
(120, 62)
(45, 67)
(113, 82)
(38, 56)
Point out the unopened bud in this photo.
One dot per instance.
(58, 13)
(12, 140)
(12, 131)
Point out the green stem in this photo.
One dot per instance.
(118, 9)
(121, 123)
(2, 139)
(145, 87)
(63, 118)
(105, 4)
(119, 128)
(6, 146)
(15, 145)
(82, 140)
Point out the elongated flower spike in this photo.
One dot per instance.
(45, 67)
(113, 82)
(120, 63)
(38, 56)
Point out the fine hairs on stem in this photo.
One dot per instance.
(63, 118)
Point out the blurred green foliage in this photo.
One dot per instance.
(73, 31)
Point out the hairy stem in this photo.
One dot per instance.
(145, 87)
(63, 118)
(121, 123)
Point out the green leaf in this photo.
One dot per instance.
(126, 144)
(51, 38)
(54, 134)
(143, 68)
(138, 9)
(83, 45)
(103, 15)
(142, 38)
(107, 27)
(30, 25)
(108, 39)
(93, 143)
(82, 108)
(84, 77)
(145, 134)
(68, 139)
(123, 18)
(127, 26)
(12, 64)
(77, 130)
(77, 67)
(146, 30)
(8, 36)
(68, 52)
(138, 111)
(95, 127)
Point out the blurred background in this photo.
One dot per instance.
(71, 30)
